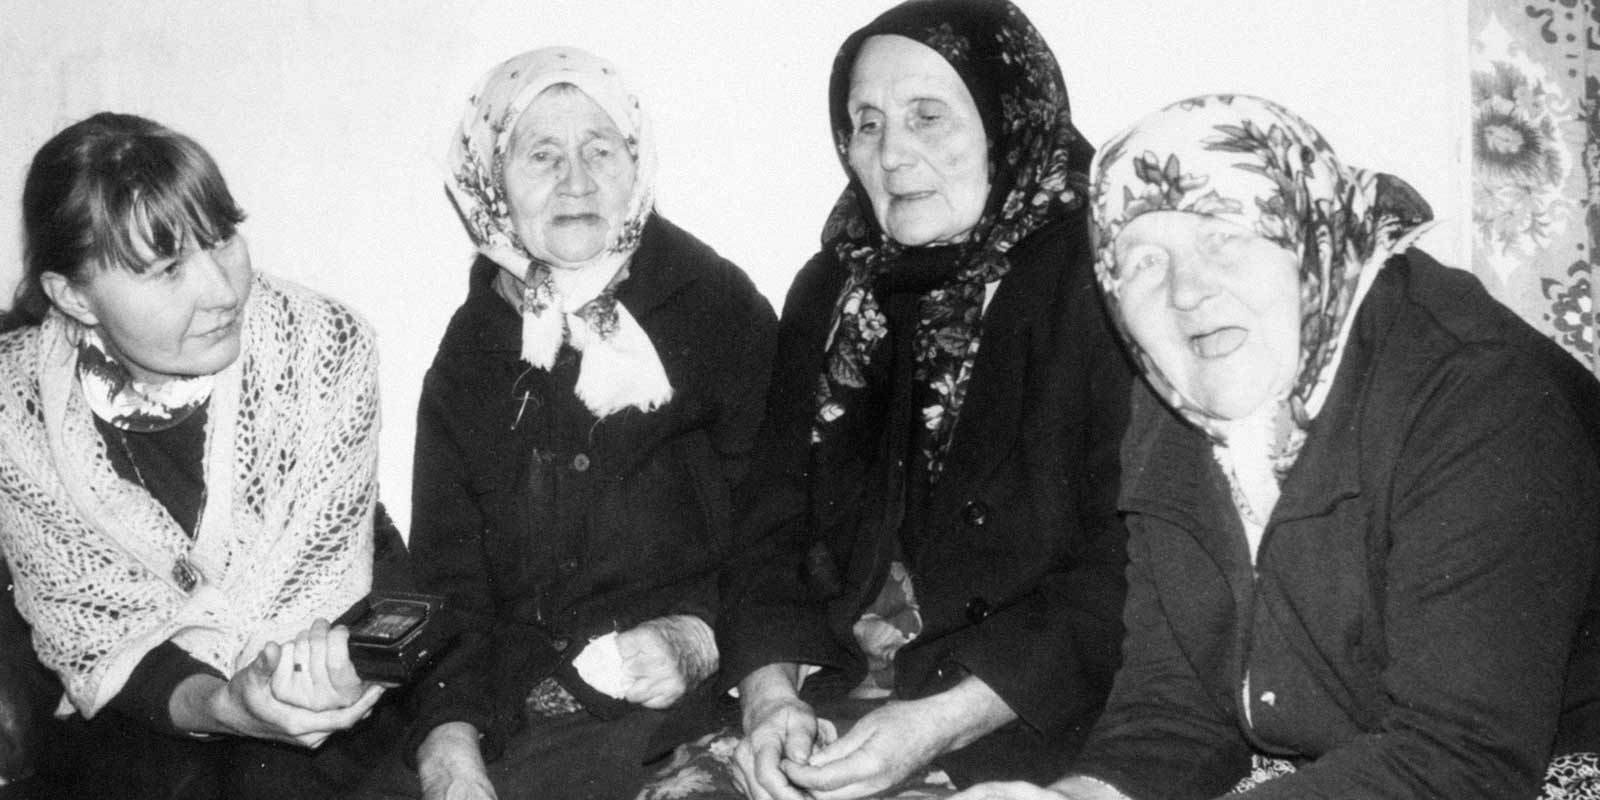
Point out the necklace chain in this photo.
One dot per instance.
(184, 572)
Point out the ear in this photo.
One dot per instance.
(69, 297)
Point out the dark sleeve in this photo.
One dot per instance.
(447, 558)
(769, 612)
(1161, 735)
(391, 561)
(147, 695)
(751, 333)
(740, 321)
(28, 690)
(1492, 542)
(1052, 654)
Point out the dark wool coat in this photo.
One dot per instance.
(1407, 626)
(1019, 566)
(545, 526)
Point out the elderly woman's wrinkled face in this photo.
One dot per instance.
(1215, 306)
(181, 316)
(568, 177)
(917, 142)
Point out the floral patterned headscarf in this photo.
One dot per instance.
(1038, 163)
(562, 306)
(1256, 164)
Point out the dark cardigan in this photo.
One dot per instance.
(1407, 625)
(1018, 567)
(545, 526)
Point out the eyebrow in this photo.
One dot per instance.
(589, 135)
(853, 104)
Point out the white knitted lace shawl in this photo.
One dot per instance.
(286, 531)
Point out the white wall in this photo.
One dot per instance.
(330, 117)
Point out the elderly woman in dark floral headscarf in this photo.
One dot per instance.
(1362, 499)
(591, 406)
(935, 550)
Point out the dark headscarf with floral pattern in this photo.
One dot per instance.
(1038, 174)
(1254, 163)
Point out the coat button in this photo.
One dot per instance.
(975, 513)
(560, 644)
(978, 610)
(580, 462)
(569, 566)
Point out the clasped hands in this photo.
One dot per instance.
(788, 753)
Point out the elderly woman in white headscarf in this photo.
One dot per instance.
(1361, 500)
(591, 405)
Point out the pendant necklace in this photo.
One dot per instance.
(184, 572)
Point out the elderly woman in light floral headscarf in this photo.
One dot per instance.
(1362, 508)
(591, 406)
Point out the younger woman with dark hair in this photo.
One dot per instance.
(187, 461)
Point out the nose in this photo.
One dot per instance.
(577, 181)
(894, 149)
(1191, 278)
(216, 289)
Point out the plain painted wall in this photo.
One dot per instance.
(330, 117)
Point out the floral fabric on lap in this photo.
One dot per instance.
(1575, 776)
(704, 770)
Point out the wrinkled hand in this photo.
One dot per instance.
(779, 728)
(664, 658)
(883, 749)
(651, 666)
(451, 765)
(1013, 790)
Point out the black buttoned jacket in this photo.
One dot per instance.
(1407, 628)
(545, 526)
(1019, 566)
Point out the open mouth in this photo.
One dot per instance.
(576, 219)
(1218, 343)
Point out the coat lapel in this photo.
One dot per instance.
(994, 393)
(1169, 473)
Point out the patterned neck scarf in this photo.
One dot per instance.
(1037, 175)
(1254, 163)
(114, 396)
(576, 307)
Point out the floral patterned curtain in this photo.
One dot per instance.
(1536, 162)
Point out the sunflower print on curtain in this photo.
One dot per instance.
(1535, 131)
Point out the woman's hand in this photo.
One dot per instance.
(779, 727)
(268, 698)
(892, 742)
(664, 658)
(451, 765)
(314, 671)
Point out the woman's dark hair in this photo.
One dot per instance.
(110, 191)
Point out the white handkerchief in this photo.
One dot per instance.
(600, 666)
